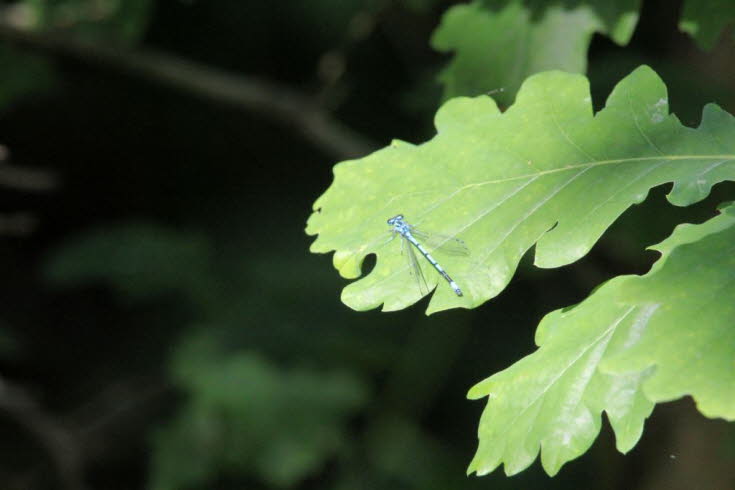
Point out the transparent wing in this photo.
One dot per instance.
(414, 267)
(443, 243)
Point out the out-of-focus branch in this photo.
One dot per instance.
(273, 101)
(24, 179)
(117, 405)
(87, 431)
(58, 441)
(17, 224)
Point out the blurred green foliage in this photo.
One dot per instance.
(421, 5)
(23, 75)
(497, 44)
(8, 345)
(244, 416)
(112, 21)
(705, 20)
(141, 261)
(109, 21)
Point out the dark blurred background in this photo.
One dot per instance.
(162, 323)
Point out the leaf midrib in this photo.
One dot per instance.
(533, 176)
(606, 333)
(598, 163)
(541, 173)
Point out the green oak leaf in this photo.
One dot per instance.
(552, 399)
(690, 337)
(548, 172)
(634, 342)
(498, 43)
(705, 20)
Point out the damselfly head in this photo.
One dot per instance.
(395, 219)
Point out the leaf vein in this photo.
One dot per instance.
(566, 368)
(532, 211)
(638, 126)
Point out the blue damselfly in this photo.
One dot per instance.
(410, 235)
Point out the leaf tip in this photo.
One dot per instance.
(481, 466)
(460, 112)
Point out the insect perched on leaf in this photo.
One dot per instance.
(411, 236)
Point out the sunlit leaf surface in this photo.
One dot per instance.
(548, 172)
(634, 342)
(690, 338)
